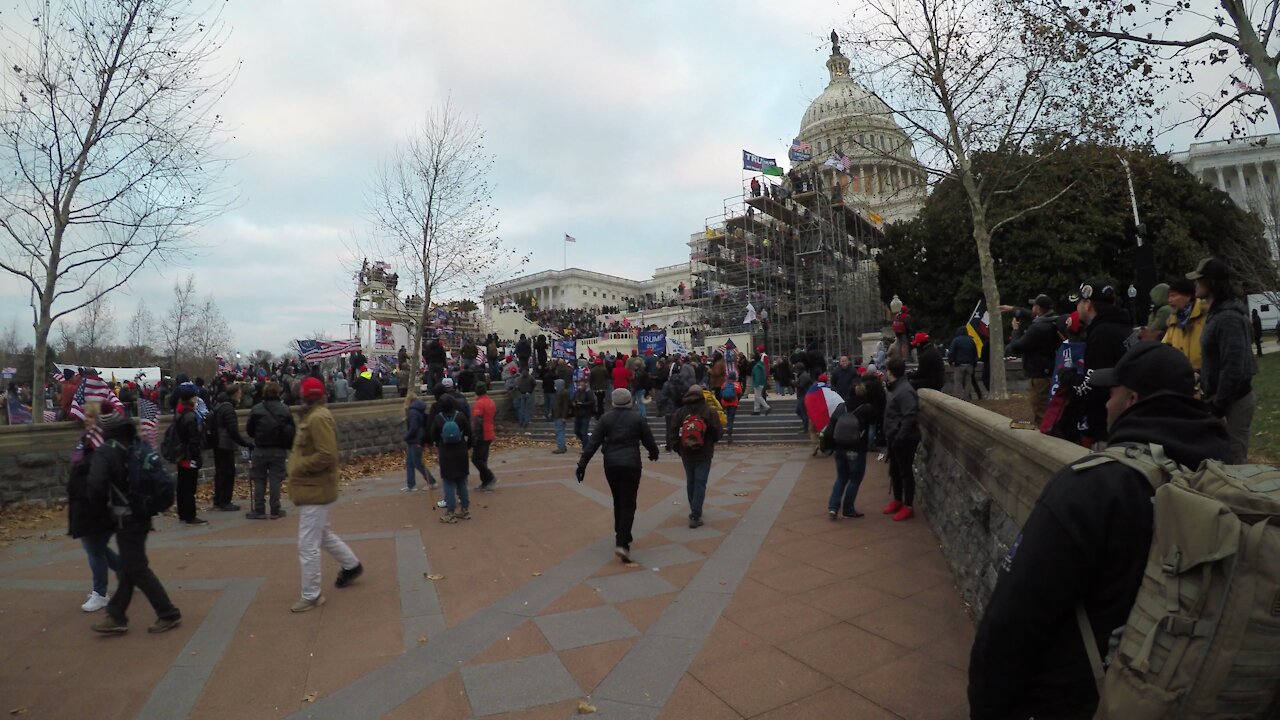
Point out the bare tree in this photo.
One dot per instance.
(1181, 41)
(107, 147)
(95, 328)
(140, 332)
(179, 319)
(432, 207)
(210, 334)
(967, 77)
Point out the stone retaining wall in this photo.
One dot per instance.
(35, 459)
(977, 481)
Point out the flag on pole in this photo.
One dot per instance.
(978, 327)
(149, 413)
(480, 358)
(313, 351)
(751, 161)
(570, 238)
(773, 170)
(94, 389)
(751, 315)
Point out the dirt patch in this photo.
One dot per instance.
(1017, 407)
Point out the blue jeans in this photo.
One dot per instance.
(560, 433)
(455, 491)
(638, 396)
(695, 478)
(851, 467)
(495, 370)
(547, 399)
(101, 558)
(582, 428)
(730, 412)
(413, 465)
(524, 408)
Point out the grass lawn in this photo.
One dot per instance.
(1265, 444)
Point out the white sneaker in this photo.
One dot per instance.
(95, 602)
(440, 503)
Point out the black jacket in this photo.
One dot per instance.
(1085, 543)
(228, 424)
(85, 517)
(620, 433)
(1226, 364)
(901, 426)
(1037, 347)
(189, 435)
(435, 354)
(366, 388)
(453, 458)
(283, 418)
(523, 351)
(696, 404)
(108, 467)
(932, 372)
(1103, 348)
(842, 380)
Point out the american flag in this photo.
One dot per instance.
(223, 365)
(316, 350)
(94, 389)
(480, 357)
(150, 414)
(800, 145)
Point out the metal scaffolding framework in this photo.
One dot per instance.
(803, 259)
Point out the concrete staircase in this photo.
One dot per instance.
(780, 427)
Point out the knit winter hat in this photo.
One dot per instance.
(621, 398)
(110, 420)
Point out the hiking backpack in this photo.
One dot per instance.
(847, 430)
(151, 487)
(171, 446)
(451, 432)
(693, 432)
(729, 391)
(899, 325)
(1203, 638)
(273, 430)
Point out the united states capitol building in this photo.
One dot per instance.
(801, 253)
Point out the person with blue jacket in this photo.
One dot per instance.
(415, 436)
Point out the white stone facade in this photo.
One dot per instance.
(1247, 169)
(575, 288)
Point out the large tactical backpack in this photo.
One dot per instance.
(1203, 638)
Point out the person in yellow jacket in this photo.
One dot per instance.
(313, 487)
(1186, 322)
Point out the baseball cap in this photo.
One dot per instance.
(1042, 300)
(1093, 290)
(1149, 368)
(1183, 287)
(1210, 269)
(920, 338)
(312, 388)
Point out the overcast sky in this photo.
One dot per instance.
(618, 123)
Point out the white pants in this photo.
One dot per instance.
(313, 533)
(759, 399)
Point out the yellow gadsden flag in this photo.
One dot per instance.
(875, 218)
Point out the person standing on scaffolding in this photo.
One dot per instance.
(755, 187)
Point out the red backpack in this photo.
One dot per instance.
(899, 324)
(693, 432)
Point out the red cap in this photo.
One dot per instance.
(312, 388)
(759, 348)
(822, 377)
(862, 371)
(920, 338)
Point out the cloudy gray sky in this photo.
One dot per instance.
(618, 123)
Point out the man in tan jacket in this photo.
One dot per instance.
(313, 487)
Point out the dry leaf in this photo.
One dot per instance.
(633, 564)
(310, 697)
(433, 576)
(18, 711)
(422, 639)
(537, 574)
(744, 493)
(585, 708)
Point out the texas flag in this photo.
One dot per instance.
(819, 404)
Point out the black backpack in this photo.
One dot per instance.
(847, 430)
(273, 430)
(151, 487)
(171, 445)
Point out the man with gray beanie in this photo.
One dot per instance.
(621, 430)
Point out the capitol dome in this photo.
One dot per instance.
(883, 178)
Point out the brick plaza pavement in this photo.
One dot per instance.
(770, 610)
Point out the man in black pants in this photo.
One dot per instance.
(109, 485)
(224, 455)
(621, 431)
(902, 434)
(189, 460)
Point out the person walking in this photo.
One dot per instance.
(483, 416)
(759, 377)
(699, 430)
(189, 458)
(89, 522)
(415, 436)
(451, 433)
(561, 411)
(548, 390)
(902, 433)
(227, 428)
(963, 356)
(109, 486)
(849, 434)
(313, 488)
(620, 432)
(584, 408)
(730, 396)
(524, 398)
(1257, 330)
(598, 378)
(272, 428)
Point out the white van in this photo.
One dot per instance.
(1268, 309)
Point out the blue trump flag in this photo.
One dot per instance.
(564, 349)
(655, 340)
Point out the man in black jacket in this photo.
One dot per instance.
(1085, 544)
(621, 432)
(931, 372)
(108, 486)
(1108, 328)
(843, 377)
(850, 456)
(437, 358)
(224, 454)
(1226, 366)
(272, 428)
(366, 388)
(523, 351)
(697, 461)
(1038, 347)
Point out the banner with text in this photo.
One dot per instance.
(751, 161)
(564, 349)
(383, 338)
(652, 342)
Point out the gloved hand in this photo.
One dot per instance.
(580, 473)
(653, 457)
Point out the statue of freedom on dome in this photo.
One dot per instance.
(835, 43)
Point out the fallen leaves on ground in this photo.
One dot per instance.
(422, 639)
(741, 494)
(585, 708)
(433, 577)
(310, 697)
(25, 521)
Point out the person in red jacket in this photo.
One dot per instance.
(621, 376)
(483, 414)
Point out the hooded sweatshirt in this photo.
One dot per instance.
(695, 403)
(1160, 309)
(1085, 543)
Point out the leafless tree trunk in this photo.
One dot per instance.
(141, 332)
(178, 321)
(432, 206)
(966, 77)
(95, 328)
(107, 146)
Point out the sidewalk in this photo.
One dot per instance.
(769, 610)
